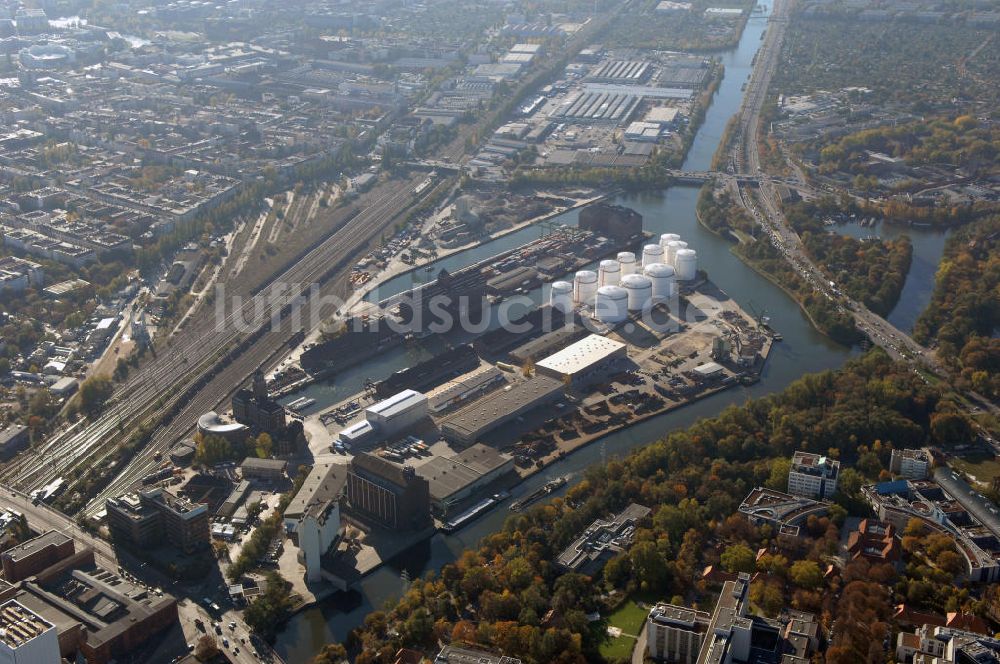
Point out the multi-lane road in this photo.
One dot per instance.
(763, 204)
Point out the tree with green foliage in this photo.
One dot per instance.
(806, 574)
(271, 609)
(94, 393)
(738, 558)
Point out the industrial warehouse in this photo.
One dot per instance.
(629, 327)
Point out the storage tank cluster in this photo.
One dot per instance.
(679, 256)
(652, 253)
(626, 262)
(639, 289)
(624, 285)
(686, 264)
(662, 280)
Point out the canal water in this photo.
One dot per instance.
(803, 350)
(928, 247)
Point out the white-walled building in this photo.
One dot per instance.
(26, 637)
(675, 633)
(912, 464)
(317, 531)
(813, 476)
(312, 518)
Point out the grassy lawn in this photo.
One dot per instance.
(629, 618)
(982, 466)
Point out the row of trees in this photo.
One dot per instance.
(210, 450)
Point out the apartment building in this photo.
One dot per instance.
(911, 464)
(676, 633)
(813, 476)
(26, 637)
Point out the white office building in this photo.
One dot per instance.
(813, 476)
(676, 633)
(911, 464)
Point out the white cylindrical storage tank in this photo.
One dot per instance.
(584, 287)
(652, 253)
(672, 248)
(626, 261)
(667, 238)
(561, 296)
(640, 291)
(611, 304)
(609, 273)
(686, 264)
(662, 277)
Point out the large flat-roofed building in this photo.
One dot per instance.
(601, 540)
(390, 495)
(453, 479)
(385, 419)
(589, 360)
(13, 438)
(151, 517)
(784, 512)
(324, 482)
(427, 374)
(675, 633)
(26, 637)
(95, 611)
(913, 464)
(235, 499)
(730, 630)
(934, 644)
(813, 476)
(35, 555)
(681, 635)
(460, 655)
(947, 506)
(467, 424)
(547, 344)
(271, 470)
(463, 388)
(401, 410)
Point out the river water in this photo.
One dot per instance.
(803, 350)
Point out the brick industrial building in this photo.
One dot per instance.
(392, 496)
(69, 605)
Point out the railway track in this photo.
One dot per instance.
(203, 366)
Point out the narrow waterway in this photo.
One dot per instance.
(803, 350)
(928, 247)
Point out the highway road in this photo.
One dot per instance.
(764, 204)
